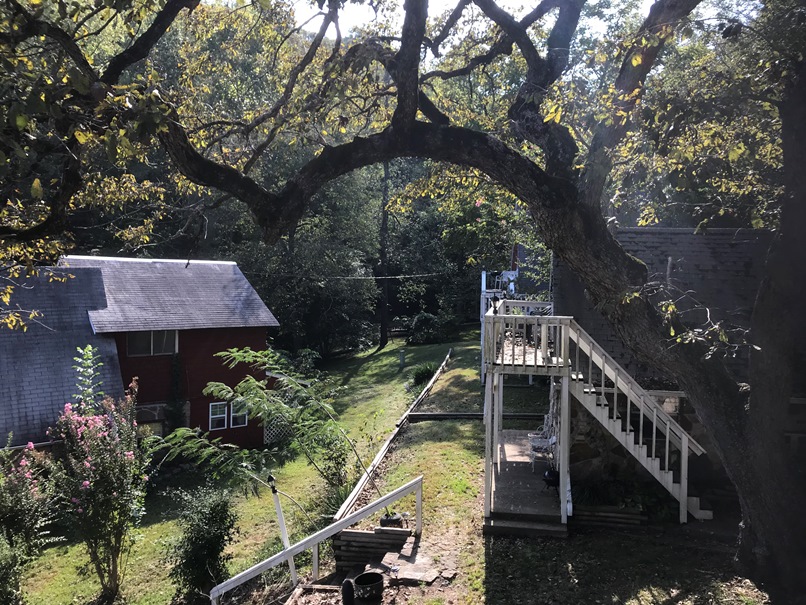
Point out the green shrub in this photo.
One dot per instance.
(425, 329)
(197, 558)
(11, 565)
(422, 373)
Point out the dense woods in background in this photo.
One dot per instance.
(175, 128)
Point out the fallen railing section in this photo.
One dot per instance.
(312, 542)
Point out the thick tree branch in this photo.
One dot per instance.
(639, 59)
(407, 63)
(514, 31)
(503, 46)
(142, 46)
(559, 41)
(448, 26)
(37, 27)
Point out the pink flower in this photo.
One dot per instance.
(79, 510)
(85, 484)
(74, 500)
(28, 475)
(129, 455)
(479, 202)
(23, 462)
(68, 409)
(30, 445)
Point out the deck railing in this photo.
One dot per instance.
(517, 334)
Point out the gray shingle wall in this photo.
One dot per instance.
(36, 366)
(721, 269)
(173, 295)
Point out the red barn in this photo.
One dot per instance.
(168, 319)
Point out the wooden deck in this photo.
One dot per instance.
(514, 356)
(519, 493)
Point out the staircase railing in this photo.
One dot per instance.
(625, 385)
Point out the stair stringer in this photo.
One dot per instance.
(625, 385)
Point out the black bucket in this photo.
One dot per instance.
(369, 586)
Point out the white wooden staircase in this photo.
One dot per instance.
(634, 418)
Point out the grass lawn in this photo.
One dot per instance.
(372, 400)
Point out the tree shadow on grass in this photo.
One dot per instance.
(609, 567)
(469, 434)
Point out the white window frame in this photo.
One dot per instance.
(234, 414)
(225, 415)
(151, 338)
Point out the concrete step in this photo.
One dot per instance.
(524, 529)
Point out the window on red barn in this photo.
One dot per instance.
(239, 417)
(155, 342)
(218, 416)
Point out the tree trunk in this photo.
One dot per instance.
(383, 268)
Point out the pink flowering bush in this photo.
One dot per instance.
(26, 510)
(102, 478)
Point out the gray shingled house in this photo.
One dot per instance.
(159, 320)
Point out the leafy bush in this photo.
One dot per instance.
(26, 510)
(197, 558)
(422, 373)
(11, 566)
(102, 478)
(425, 329)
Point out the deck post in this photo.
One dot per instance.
(488, 396)
(498, 411)
(564, 447)
(483, 309)
(684, 478)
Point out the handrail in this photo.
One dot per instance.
(632, 384)
(415, 486)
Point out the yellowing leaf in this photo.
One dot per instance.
(81, 137)
(636, 60)
(36, 189)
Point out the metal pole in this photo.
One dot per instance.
(283, 531)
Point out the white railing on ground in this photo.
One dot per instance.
(415, 486)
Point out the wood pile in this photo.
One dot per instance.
(354, 547)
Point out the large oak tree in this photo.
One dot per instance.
(66, 97)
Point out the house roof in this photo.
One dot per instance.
(36, 368)
(144, 294)
(719, 269)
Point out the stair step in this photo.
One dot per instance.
(521, 529)
(698, 510)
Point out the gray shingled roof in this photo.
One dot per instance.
(721, 267)
(147, 294)
(36, 366)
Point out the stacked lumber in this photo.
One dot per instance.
(354, 547)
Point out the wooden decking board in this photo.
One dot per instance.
(517, 491)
